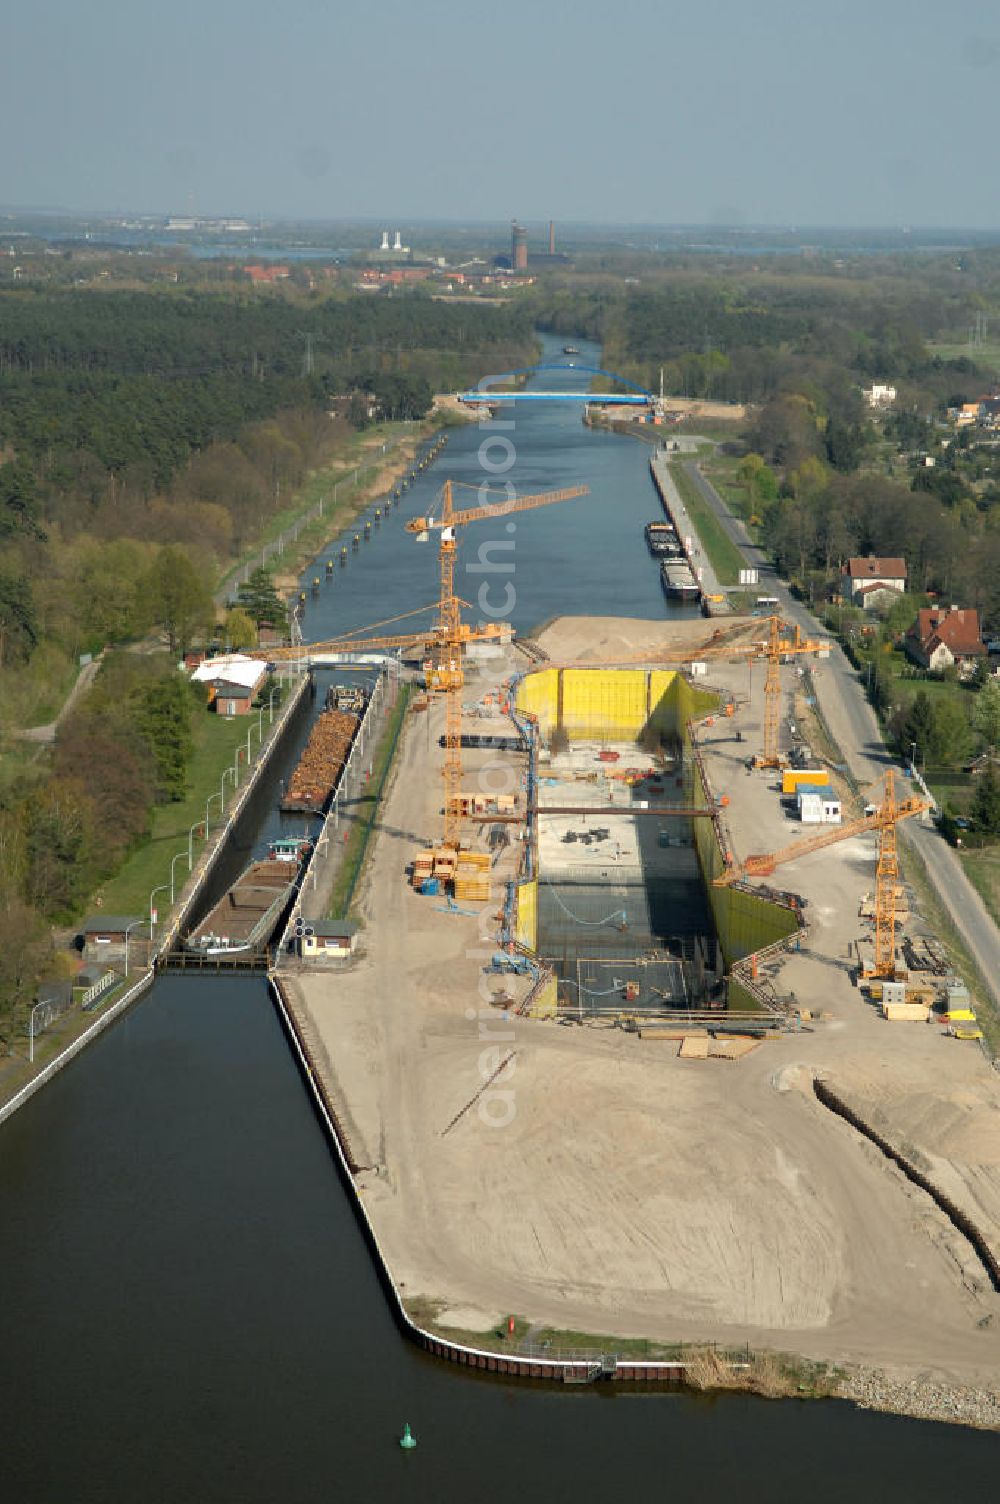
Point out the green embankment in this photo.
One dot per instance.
(365, 810)
(744, 922)
(725, 557)
(217, 742)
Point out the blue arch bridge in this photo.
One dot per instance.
(487, 395)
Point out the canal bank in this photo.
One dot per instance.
(196, 1313)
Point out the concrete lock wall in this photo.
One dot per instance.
(744, 922)
(618, 705)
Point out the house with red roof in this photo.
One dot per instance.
(872, 582)
(941, 637)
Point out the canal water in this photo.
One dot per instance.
(188, 1311)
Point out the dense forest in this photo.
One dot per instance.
(146, 439)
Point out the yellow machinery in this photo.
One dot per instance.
(883, 820)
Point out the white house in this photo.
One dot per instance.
(871, 581)
(880, 395)
(232, 682)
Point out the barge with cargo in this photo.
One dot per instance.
(246, 916)
(678, 580)
(312, 785)
(662, 541)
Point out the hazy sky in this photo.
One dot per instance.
(778, 111)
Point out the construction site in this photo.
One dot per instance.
(644, 1036)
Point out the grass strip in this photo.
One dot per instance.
(726, 558)
(356, 847)
(217, 740)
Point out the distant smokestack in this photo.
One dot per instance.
(518, 247)
(385, 241)
(552, 237)
(397, 244)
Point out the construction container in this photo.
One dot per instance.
(791, 778)
(906, 1013)
(606, 755)
(958, 1016)
(431, 886)
(893, 992)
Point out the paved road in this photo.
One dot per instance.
(853, 724)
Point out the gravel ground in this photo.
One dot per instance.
(872, 1390)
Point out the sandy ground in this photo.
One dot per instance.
(601, 1184)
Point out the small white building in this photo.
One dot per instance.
(327, 939)
(879, 394)
(232, 682)
(818, 804)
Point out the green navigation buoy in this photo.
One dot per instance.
(407, 1441)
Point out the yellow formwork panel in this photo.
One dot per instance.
(546, 1003)
(603, 704)
(526, 924)
(537, 695)
(612, 704)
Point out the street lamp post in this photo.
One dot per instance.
(31, 1031)
(127, 928)
(194, 827)
(226, 773)
(174, 859)
(208, 802)
(152, 912)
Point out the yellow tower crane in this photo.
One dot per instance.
(774, 650)
(450, 635)
(882, 820)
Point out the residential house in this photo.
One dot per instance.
(872, 582)
(232, 682)
(941, 637)
(879, 395)
(264, 274)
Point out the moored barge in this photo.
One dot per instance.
(662, 540)
(245, 918)
(311, 786)
(678, 581)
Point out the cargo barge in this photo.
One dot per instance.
(311, 786)
(246, 917)
(678, 581)
(662, 541)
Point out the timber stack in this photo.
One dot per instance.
(311, 786)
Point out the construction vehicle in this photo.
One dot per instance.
(882, 821)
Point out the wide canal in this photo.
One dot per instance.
(188, 1311)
